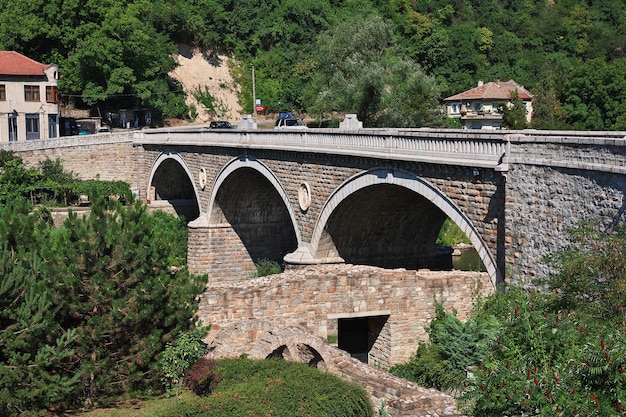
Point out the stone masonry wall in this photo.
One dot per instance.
(543, 203)
(313, 298)
(110, 157)
(479, 195)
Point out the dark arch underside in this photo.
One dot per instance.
(388, 226)
(171, 183)
(250, 204)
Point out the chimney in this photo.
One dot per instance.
(480, 83)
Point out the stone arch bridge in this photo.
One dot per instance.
(375, 197)
(379, 197)
(363, 196)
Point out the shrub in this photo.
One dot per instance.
(282, 388)
(201, 377)
(451, 234)
(179, 356)
(265, 267)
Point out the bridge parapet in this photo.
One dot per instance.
(431, 146)
(589, 151)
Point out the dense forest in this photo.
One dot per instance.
(389, 61)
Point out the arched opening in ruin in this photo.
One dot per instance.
(171, 188)
(310, 356)
(281, 352)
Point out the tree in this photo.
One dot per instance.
(35, 350)
(121, 294)
(87, 307)
(514, 116)
(594, 95)
(357, 74)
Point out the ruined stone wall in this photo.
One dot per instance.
(262, 339)
(314, 297)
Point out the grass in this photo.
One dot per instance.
(148, 407)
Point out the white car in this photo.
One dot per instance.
(289, 121)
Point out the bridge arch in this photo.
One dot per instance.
(247, 197)
(171, 184)
(323, 248)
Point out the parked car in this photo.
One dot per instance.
(289, 121)
(220, 124)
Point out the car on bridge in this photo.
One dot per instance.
(289, 121)
(220, 124)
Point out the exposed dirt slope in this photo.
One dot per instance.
(199, 71)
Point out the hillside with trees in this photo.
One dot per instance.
(391, 62)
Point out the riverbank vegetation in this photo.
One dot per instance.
(86, 307)
(558, 352)
(390, 62)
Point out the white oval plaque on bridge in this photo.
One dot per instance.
(304, 196)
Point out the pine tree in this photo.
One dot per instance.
(34, 349)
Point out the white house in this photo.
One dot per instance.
(478, 108)
(29, 99)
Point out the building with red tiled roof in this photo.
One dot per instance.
(478, 108)
(29, 99)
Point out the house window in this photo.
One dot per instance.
(3, 92)
(52, 126)
(31, 92)
(32, 127)
(52, 94)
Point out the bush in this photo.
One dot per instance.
(265, 267)
(179, 356)
(281, 388)
(455, 346)
(201, 377)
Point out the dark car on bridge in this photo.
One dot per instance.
(220, 124)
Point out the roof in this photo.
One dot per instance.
(13, 63)
(496, 90)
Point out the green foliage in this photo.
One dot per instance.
(454, 347)
(591, 273)
(179, 356)
(35, 349)
(280, 388)
(321, 56)
(50, 184)
(530, 353)
(87, 307)
(545, 362)
(265, 267)
(213, 105)
(52, 170)
(382, 410)
(514, 117)
(451, 234)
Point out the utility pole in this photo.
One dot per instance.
(253, 96)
